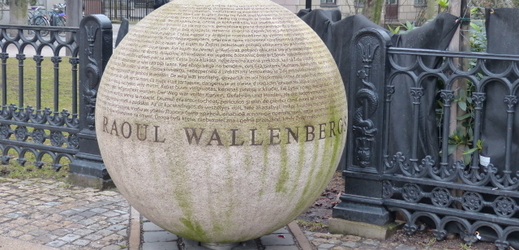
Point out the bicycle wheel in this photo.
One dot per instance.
(41, 21)
(61, 21)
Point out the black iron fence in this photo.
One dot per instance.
(133, 10)
(49, 82)
(419, 122)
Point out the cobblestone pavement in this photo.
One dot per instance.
(324, 241)
(54, 214)
(45, 214)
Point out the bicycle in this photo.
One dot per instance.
(37, 18)
(57, 16)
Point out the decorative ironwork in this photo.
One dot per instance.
(504, 206)
(472, 201)
(441, 197)
(448, 191)
(42, 132)
(387, 189)
(93, 75)
(411, 193)
(367, 99)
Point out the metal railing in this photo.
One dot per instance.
(133, 10)
(44, 115)
(400, 140)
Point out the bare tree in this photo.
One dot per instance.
(18, 11)
(373, 10)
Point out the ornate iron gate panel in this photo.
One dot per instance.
(26, 127)
(62, 131)
(453, 192)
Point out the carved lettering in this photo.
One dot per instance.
(140, 133)
(310, 132)
(128, 129)
(215, 137)
(193, 135)
(157, 135)
(233, 138)
(114, 128)
(253, 138)
(274, 133)
(291, 133)
(332, 128)
(322, 132)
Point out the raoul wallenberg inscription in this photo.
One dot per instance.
(225, 121)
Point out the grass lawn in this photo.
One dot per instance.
(47, 83)
(48, 94)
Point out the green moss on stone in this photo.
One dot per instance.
(194, 230)
(283, 172)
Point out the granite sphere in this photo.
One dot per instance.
(221, 121)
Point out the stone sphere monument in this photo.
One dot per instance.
(221, 120)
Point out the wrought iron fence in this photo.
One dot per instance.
(402, 144)
(133, 10)
(29, 124)
(35, 119)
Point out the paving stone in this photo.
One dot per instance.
(52, 203)
(172, 245)
(80, 209)
(277, 240)
(326, 246)
(351, 244)
(86, 222)
(81, 242)
(83, 232)
(115, 227)
(14, 215)
(160, 236)
(87, 214)
(14, 233)
(93, 237)
(340, 248)
(98, 210)
(404, 247)
(39, 232)
(371, 242)
(61, 231)
(112, 247)
(111, 214)
(70, 237)
(42, 212)
(26, 237)
(69, 212)
(150, 226)
(281, 248)
(56, 243)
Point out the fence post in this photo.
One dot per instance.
(361, 205)
(95, 46)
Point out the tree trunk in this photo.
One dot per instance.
(17, 14)
(74, 12)
(373, 10)
(431, 9)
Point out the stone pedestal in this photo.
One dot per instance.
(340, 226)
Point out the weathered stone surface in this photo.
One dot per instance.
(223, 123)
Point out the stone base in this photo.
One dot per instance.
(195, 245)
(340, 226)
(89, 181)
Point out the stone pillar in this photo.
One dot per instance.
(95, 46)
(361, 210)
